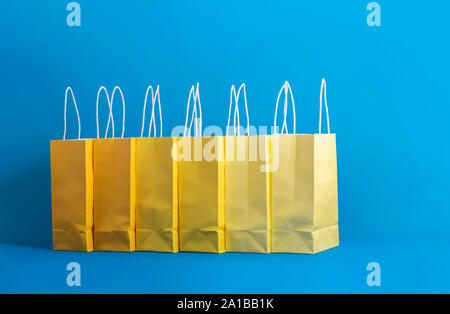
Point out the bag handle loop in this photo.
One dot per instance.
(236, 110)
(323, 90)
(153, 119)
(195, 93)
(111, 117)
(287, 89)
(65, 113)
(102, 88)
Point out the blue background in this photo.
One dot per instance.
(389, 106)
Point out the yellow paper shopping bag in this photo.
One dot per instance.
(72, 190)
(247, 180)
(114, 188)
(201, 188)
(304, 189)
(156, 189)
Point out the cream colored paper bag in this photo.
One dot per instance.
(304, 189)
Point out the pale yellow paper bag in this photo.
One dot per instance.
(156, 195)
(201, 198)
(201, 188)
(72, 195)
(156, 189)
(72, 191)
(247, 199)
(114, 191)
(304, 192)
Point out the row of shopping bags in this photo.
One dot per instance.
(236, 193)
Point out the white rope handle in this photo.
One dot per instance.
(65, 113)
(153, 119)
(110, 118)
(195, 93)
(117, 88)
(323, 90)
(287, 89)
(236, 110)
